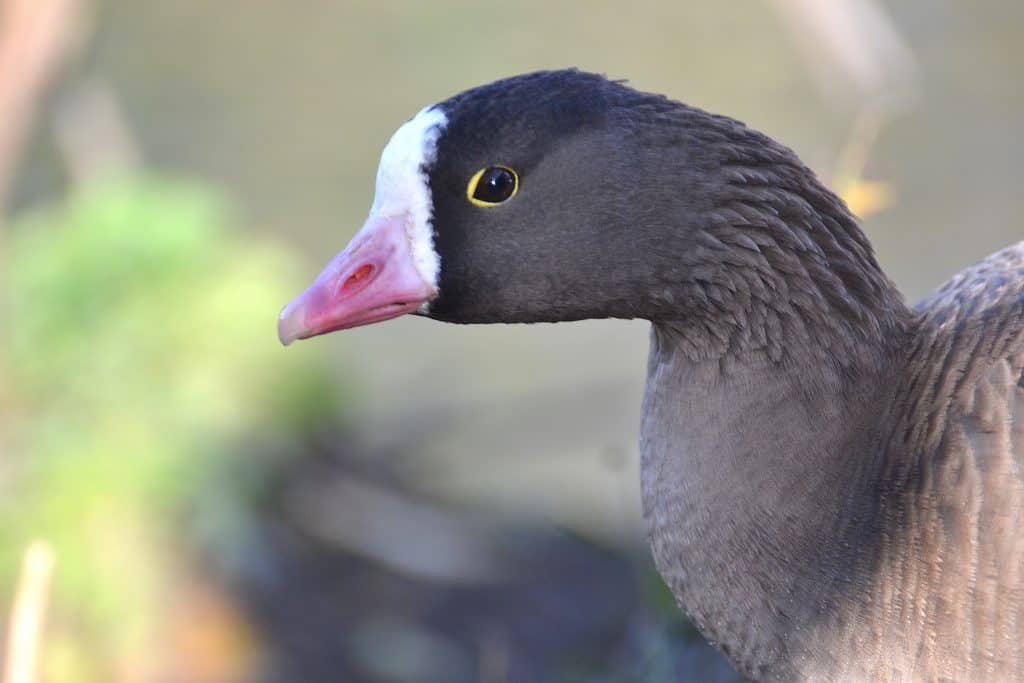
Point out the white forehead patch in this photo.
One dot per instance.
(402, 186)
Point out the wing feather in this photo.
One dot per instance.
(971, 351)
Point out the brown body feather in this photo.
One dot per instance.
(820, 529)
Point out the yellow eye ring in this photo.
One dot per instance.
(492, 185)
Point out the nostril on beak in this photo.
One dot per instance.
(357, 280)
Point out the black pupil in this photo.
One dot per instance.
(495, 185)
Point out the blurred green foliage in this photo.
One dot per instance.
(142, 365)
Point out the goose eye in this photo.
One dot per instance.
(492, 185)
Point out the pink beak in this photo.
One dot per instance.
(374, 279)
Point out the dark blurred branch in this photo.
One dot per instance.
(386, 526)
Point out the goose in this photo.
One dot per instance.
(832, 481)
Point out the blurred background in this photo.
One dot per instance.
(181, 499)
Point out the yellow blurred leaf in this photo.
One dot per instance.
(865, 197)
